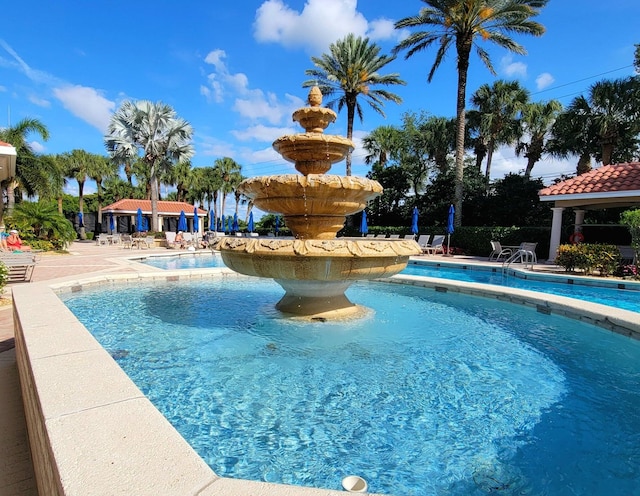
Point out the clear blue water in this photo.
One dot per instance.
(434, 393)
(625, 299)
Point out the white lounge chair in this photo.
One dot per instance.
(423, 241)
(436, 245)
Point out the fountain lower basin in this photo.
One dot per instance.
(316, 273)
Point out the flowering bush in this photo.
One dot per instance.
(589, 257)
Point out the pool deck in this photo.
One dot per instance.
(16, 474)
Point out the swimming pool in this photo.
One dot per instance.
(473, 396)
(605, 293)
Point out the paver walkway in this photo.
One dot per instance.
(16, 469)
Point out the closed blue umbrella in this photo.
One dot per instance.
(223, 225)
(182, 221)
(250, 226)
(414, 221)
(229, 224)
(364, 229)
(212, 221)
(112, 224)
(195, 219)
(450, 217)
(145, 224)
(235, 223)
(80, 220)
(277, 224)
(139, 221)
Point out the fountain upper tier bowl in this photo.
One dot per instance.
(314, 206)
(313, 152)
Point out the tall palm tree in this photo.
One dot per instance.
(102, 169)
(381, 144)
(156, 133)
(439, 134)
(81, 165)
(537, 120)
(26, 158)
(230, 173)
(350, 70)
(462, 23)
(499, 106)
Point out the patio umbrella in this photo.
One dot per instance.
(182, 221)
(414, 221)
(195, 219)
(112, 224)
(212, 221)
(277, 224)
(223, 226)
(139, 221)
(450, 229)
(364, 229)
(250, 225)
(145, 224)
(80, 220)
(229, 225)
(235, 223)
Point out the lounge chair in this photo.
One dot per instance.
(436, 245)
(127, 241)
(498, 252)
(394, 236)
(525, 254)
(170, 238)
(423, 241)
(19, 266)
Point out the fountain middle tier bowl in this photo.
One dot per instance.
(313, 153)
(314, 206)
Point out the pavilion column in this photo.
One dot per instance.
(579, 219)
(160, 223)
(556, 231)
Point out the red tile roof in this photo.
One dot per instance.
(606, 179)
(165, 208)
(2, 143)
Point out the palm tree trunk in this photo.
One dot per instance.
(487, 172)
(463, 48)
(11, 196)
(153, 181)
(351, 112)
(584, 164)
(83, 232)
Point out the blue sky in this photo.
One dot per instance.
(234, 69)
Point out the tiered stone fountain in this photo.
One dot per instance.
(316, 268)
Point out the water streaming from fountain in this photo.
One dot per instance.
(316, 268)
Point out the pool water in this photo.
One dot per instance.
(625, 299)
(432, 393)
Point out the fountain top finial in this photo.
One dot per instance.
(315, 96)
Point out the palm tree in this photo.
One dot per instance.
(381, 144)
(439, 134)
(155, 131)
(230, 174)
(101, 169)
(81, 165)
(499, 106)
(537, 120)
(604, 124)
(45, 222)
(461, 23)
(350, 70)
(26, 158)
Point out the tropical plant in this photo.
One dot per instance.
(536, 120)
(463, 23)
(604, 124)
(499, 106)
(631, 219)
(42, 221)
(154, 133)
(230, 174)
(26, 160)
(381, 144)
(350, 70)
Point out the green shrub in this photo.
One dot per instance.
(4, 276)
(589, 258)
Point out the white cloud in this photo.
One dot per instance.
(37, 147)
(263, 133)
(544, 80)
(513, 69)
(320, 23)
(41, 102)
(221, 79)
(87, 104)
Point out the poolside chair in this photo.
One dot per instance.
(127, 241)
(170, 238)
(436, 245)
(498, 252)
(423, 241)
(525, 254)
(150, 241)
(394, 236)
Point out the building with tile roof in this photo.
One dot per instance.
(168, 212)
(615, 185)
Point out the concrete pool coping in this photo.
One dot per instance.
(91, 429)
